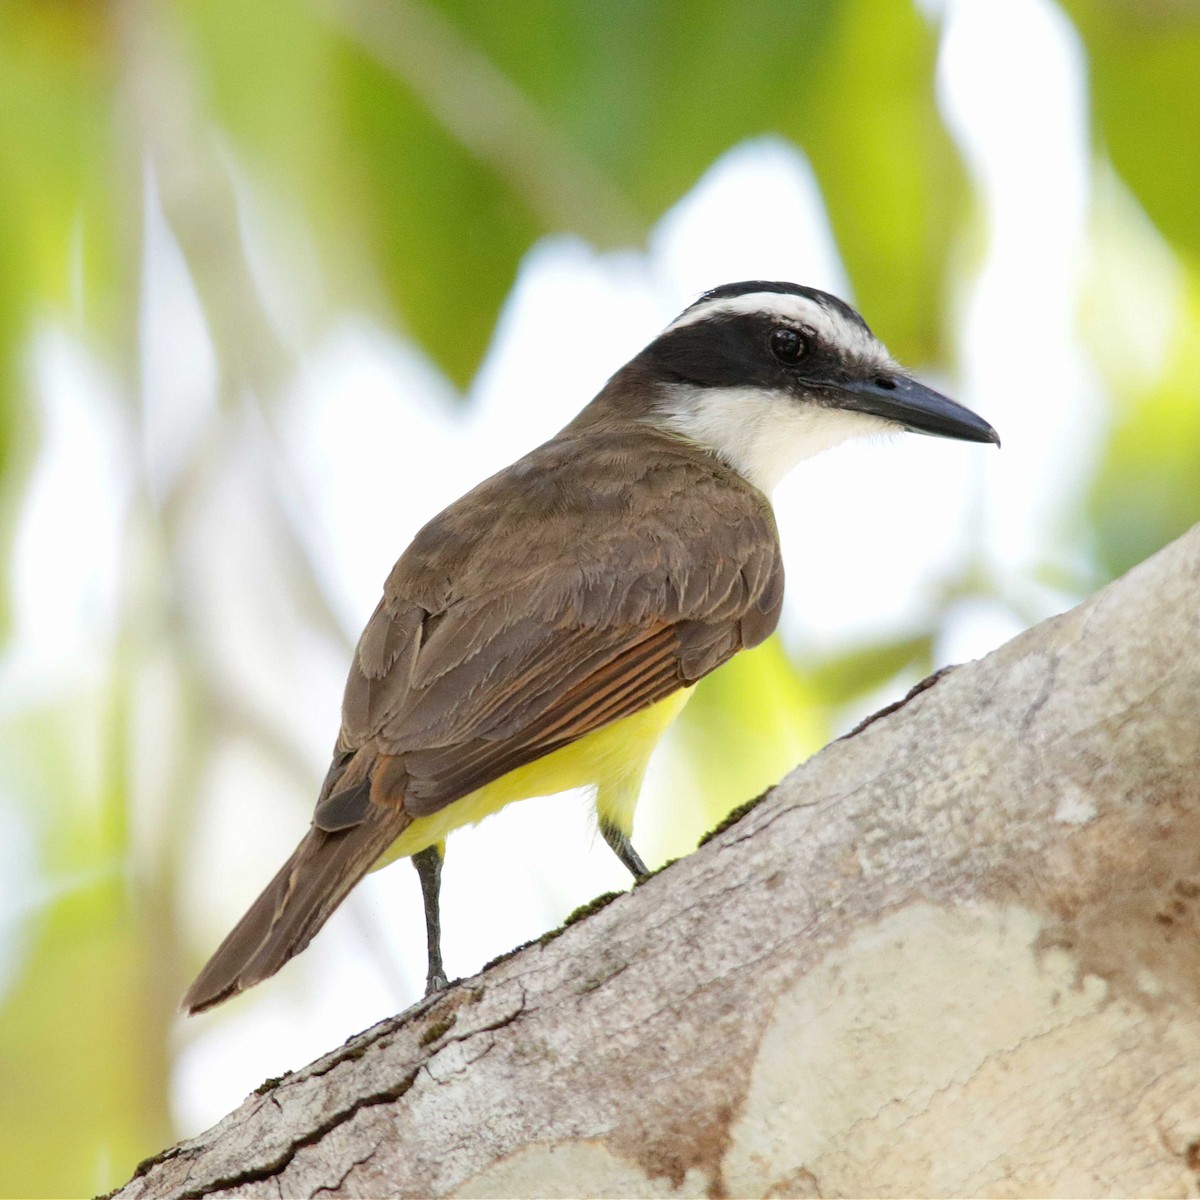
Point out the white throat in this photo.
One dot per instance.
(760, 434)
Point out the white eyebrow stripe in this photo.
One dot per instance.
(829, 324)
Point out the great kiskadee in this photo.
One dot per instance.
(542, 632)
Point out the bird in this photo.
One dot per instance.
(542, 632)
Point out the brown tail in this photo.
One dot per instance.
(294, 905)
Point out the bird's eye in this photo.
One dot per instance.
(787, 345)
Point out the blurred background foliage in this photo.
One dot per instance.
(401, 158)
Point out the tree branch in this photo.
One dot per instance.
(955, 953)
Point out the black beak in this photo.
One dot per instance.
(918, 408)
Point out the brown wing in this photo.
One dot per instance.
(503, 637)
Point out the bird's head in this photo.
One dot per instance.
(766, 374)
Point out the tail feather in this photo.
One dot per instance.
(294, 905)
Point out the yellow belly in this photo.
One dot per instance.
(612, 760)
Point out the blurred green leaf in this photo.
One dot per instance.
(655, 91)
(1142, 57)
(848, 676)
(745, 727)
(446, 235)
(74, 1050)
(57, 210)
(1147, 491)
(83, 1048)
(57, 149)
(895, 189)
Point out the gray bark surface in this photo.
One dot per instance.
(953, 953)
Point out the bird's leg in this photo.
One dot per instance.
(623, 848)
(429, 869)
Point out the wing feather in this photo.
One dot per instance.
(502, 638)
(647, 672)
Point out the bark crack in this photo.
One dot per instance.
(912, 694)
(330, 1188)
(275, 1166)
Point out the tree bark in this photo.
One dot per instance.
(954, 953)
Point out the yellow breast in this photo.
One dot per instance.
(612, 760)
